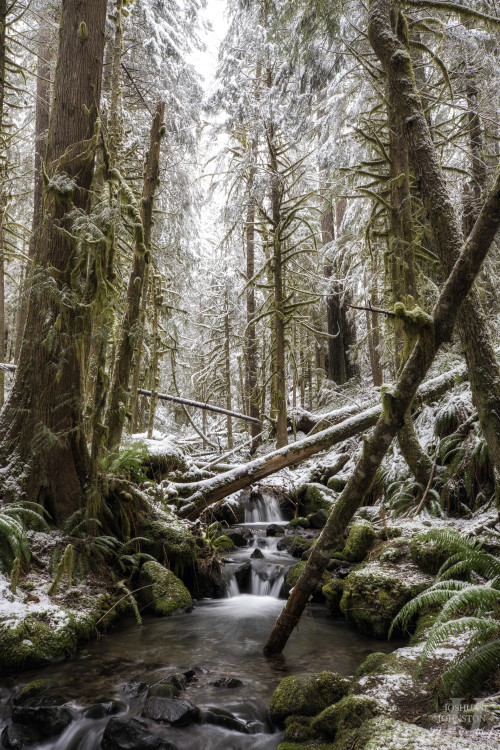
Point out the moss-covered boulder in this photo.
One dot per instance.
(45, 636)
(382, 733)
(171, 543)
(374, 594)
(349, 714)
(292, 577)
(395, 551)
(361, 538)
(298, 729)
(312, 497)
(306, 694)
(299, 545)
(223, 543)
(332, 592)
(164, 594)
(427, 553)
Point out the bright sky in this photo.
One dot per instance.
(206, 62)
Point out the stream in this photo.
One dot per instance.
(220, 642)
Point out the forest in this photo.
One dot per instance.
(249, 374)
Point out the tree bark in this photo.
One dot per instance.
(118, 400)
(203, 494)
(435, 331)
(484, 370)
(43, 443)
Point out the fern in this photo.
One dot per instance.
(466, 607)
(15, 518)
(128, 463)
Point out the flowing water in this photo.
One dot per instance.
(219, 638)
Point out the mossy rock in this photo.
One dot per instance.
(306, 694)
(174, 546)
(382, 733)
(427, 553)
(223, 543)
(313, 497)
(349, 714)
(37, 640)
(33, 690)
(300, 521)
(336, 484)
(304, 746)
(378, 663)
(374, 594)
(394, 552)
(332, 591)
(165, 593)
(299, 545)
(298, 729)
(292, 577)
(360, 540)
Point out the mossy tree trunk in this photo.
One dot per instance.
(435, 331)
(42, 441)
(484, 370)
(251, 344)
(119, 397)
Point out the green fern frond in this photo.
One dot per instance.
(437, 594)
(471, 668)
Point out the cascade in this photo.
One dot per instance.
(259, 569)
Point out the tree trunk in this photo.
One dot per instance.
(251, 343)
(41, 425)
(435, 330)
(118, 401)
(227, 372)
(484, 370)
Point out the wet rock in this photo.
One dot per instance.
(33, 691)
(106, 708)
(131, 734)
(164, 594)
(163, 691)
(242, 575)
(240, 537)
(274, 530)
(318, 519)
(135, 688)
(285, 543)
(176, 713)
(16, 737)
(306, 694)
(299, 545)
(221, 718)
(48, 720)
(257, 554)
(228, 682)
(223, 543)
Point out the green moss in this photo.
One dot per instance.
(224, 543)
(332, 591)
(300, 521)
(394, 552)
(336, 484)
(300, 545)
(165, 593)
(361, 538)
(306, 694)
(374, 595)
(298, 729)
(382, 733)
(172, 546)
(346, 715)
(33, 689)
(427, 553)
(312, 498)
(302, 746)
(293, 574)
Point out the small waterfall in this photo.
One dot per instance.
(263, 509)
(267, 582)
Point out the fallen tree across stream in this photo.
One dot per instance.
(199, 495)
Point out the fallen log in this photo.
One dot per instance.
(308, 422)
(199, 405)
(202, 494)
